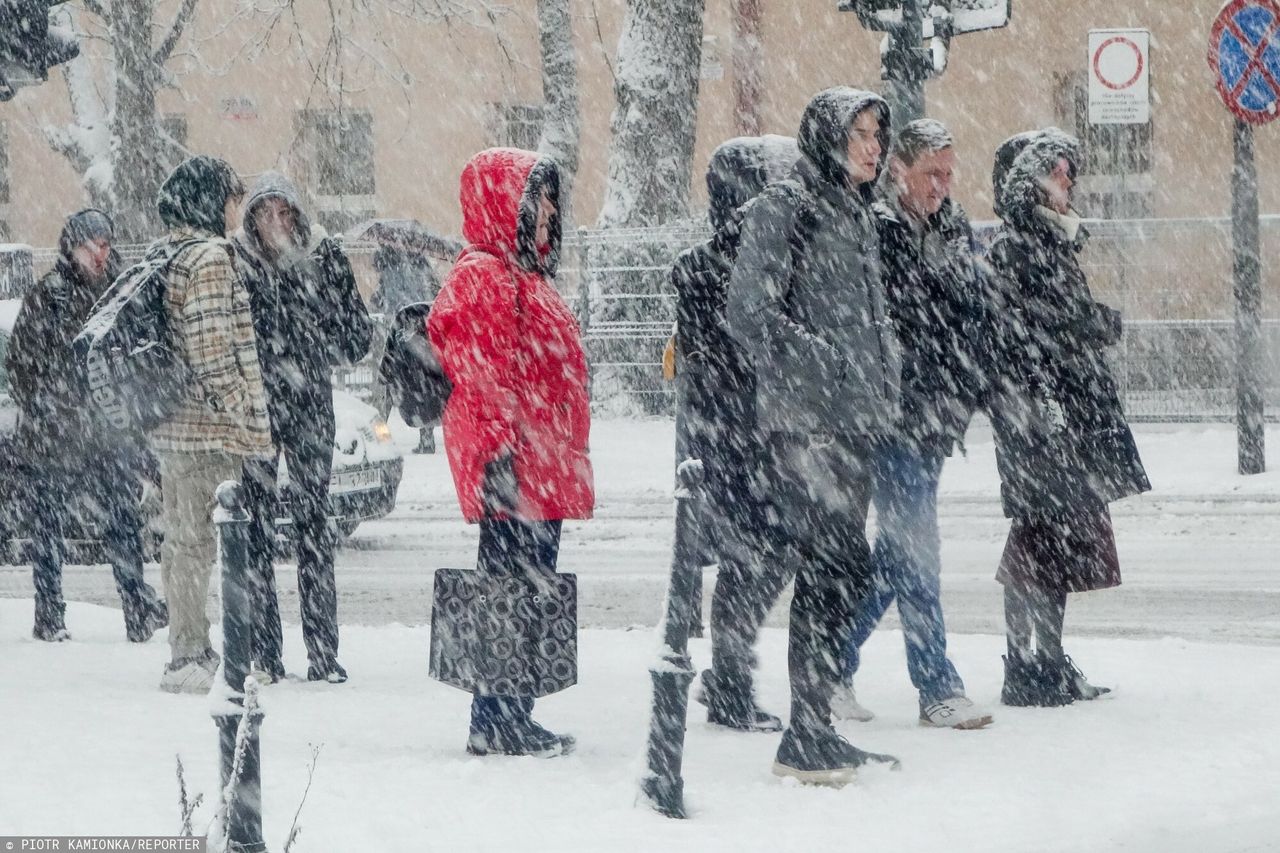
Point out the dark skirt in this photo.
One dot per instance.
(1075, 553)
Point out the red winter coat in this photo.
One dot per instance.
(511, 348)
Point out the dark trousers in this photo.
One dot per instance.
(821, 489)
(111, 489)
(508, 546)
(751, 577)
(309, 457)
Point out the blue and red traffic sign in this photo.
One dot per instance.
(1244, 53)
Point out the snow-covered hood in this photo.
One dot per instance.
(740, 168)
(1022, 161)
(275, 185)
(355, 441)
(499, 193)
(824, 130)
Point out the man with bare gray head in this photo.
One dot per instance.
(935, 302)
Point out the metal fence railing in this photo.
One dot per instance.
(1171, 279)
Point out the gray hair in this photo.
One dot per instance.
(922, 136)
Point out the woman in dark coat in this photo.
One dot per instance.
(1063, 446)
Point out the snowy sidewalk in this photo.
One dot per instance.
(1184, 758)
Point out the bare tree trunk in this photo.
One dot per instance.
(656, 117)
(138, 169)
(117, 141)
(562, 122)
(747, 84)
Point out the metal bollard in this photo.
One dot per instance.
(244, 807)
(673, 672)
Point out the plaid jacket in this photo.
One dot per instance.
(226, 408)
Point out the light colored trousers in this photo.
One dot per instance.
(187, 555)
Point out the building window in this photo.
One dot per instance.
(339, 148)
(1116, 180)
(516, 125)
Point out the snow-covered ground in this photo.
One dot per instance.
(1182, 759)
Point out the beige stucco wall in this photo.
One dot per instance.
(998, 83)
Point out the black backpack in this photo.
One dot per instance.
(410, 370)
(136, 376)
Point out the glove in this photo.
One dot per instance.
(1052, 415)
(500, 491)
(333, 261)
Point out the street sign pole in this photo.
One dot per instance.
(1247, 274)
(904, 66)
(906, 62)
(1245, 62)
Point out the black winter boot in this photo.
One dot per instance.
(330, 671)
(821, 757)
(1077, 684)
(733, 705)
(1032, 684)
(502, 726)
(142, 620)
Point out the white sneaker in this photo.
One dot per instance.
(954, 713)
(844, 705)
(189, 675)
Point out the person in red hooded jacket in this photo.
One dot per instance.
(518, 419)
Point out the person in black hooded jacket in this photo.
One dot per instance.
(308, 317)
(718, 411)
(1063, 447)
(68, 451)
(807, 303)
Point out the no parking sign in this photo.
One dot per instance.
(1244, 53)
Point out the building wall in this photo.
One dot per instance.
(998, 83)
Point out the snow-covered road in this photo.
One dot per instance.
(1201, 553)
(1182, 760)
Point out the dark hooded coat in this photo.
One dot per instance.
(806, 299)
(937, 297)
(308, 316)
(1063, 446)
(718, 386)
(47, 382)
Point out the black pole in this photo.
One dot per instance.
(673, 672)
(906, 66)
(1247, 274)
(244, 809)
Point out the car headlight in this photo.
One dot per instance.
(382, 432)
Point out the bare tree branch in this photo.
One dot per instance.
(183, 17)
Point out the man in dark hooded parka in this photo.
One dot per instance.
(718, 410)
(807, 303)
(70, 451)
(308, 317)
